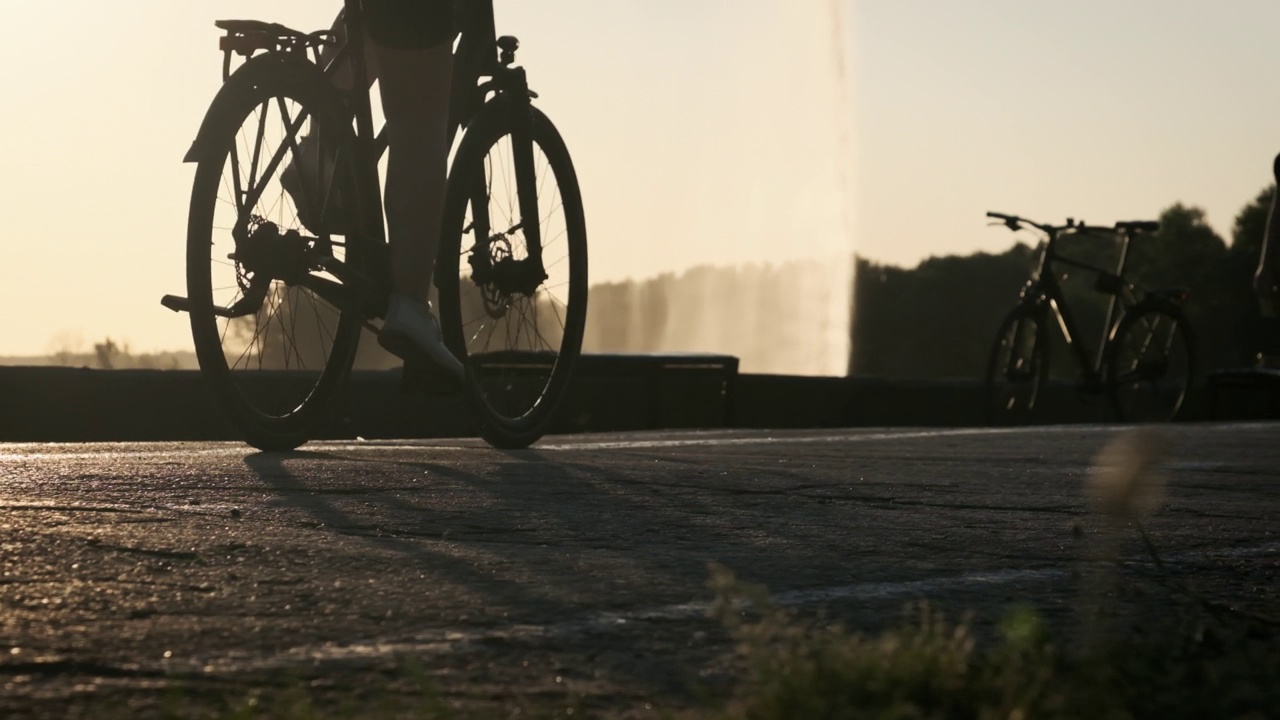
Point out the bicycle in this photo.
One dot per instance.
(1145, 359)
(268, 292)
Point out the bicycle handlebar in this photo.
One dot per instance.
(1138, 226)
(1015, 223)
(1127, 227)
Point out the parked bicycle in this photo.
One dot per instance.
(267, 291)
(1144, 364)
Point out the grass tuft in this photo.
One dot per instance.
(926, 667)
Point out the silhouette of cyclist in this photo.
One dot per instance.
(409, 50)
(1266, 280)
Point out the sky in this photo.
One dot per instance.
(704, 131)
(1096, 109)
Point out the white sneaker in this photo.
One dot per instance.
(411, 329)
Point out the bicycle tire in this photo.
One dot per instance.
(1016, 371)
(508, 408)
(1150, 363)
(270, 410)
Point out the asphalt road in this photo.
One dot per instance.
(575, 569)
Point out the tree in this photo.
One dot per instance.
(936, 320)
(1249, 227)
(106, 353)
(1186, 252)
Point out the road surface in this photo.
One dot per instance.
(575, 569)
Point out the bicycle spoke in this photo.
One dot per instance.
(538, 332)
(293, 329)
(235, 178)
(483, 325)
(254, 341)
(489, 339)
(559, 319)
(257, 144)
(553, 265)
(228, 190)
(543, 173)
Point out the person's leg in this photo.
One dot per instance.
(415, 91)
(1266, 280)
(409, 51)
(414, 57)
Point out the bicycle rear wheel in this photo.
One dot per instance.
(518, 334)
(275, 333)
(1150, 363)
(1017, 367)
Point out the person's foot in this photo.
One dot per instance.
(411, 331)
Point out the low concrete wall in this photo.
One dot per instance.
(764, 401)
(611, 393)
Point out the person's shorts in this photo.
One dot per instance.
(409, 24)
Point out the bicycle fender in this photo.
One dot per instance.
(252, 72)
(492, 113)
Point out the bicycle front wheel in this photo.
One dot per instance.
(275, 332)
(1150, 363)
(1017, 367)
(514, 319)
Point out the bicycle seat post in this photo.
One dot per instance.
(1125, 238)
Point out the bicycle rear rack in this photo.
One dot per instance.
(246, 37)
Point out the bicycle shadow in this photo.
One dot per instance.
(429, 524)
(542, 514)
(559, 501)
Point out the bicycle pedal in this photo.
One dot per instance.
(176, 303)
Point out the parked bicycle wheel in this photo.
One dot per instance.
(1150, 363)
(518, 333)
(1017, 367)
(260, 303)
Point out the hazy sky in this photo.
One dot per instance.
(1101, 109)
(721, 131)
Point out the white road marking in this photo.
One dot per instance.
(18, 452)
(657, 443)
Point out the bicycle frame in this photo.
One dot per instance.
(475, 58)
(470, 65)
(304, 212)
(478, 55)
(1044, 289)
